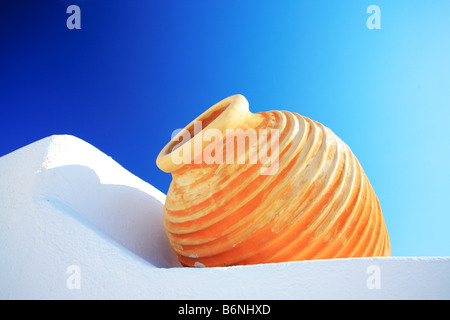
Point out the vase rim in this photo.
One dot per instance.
(219, 116)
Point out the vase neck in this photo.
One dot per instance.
(230, 113)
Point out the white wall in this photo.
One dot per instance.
(74, 224)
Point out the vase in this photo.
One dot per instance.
(266, 187)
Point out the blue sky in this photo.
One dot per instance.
(139, 69)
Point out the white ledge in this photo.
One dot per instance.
(64, 203)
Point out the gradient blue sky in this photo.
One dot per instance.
(139, 69)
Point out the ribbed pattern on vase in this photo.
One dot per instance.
(318, 205)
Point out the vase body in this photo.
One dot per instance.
(311, 201)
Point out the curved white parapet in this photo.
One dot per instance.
(74, 224)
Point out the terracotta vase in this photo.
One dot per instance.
(312, 201)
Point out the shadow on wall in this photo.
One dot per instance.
(127, 215)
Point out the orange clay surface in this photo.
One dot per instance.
(319, 203)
